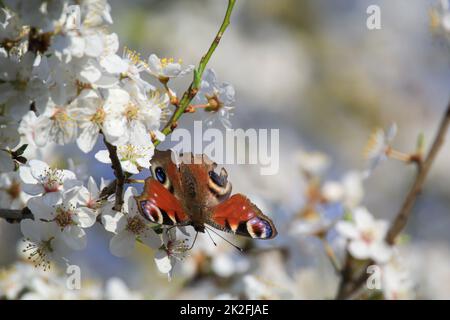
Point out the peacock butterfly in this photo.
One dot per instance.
(192, 193)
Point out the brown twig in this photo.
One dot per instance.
(118, 172)
(349, 284)
(403, 215)
(12, 215)
(108, 190)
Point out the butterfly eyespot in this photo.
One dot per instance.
(258, 228)
(160, 175)
(151, 212)
(218, 180)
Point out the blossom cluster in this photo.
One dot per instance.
(23, 281)
(64, 81)
(334, 213)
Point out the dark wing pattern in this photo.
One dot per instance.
(158, 205)
(240, 216)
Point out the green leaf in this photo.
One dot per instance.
(21, 150)
(21, 159)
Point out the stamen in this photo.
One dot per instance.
(39, 253)
(135, 225)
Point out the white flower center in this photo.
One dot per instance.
(98, 117)
(368, 236)
(131, 112)
(60, 116)
(135, 225)
(51, 180)
(38, 253)
(130, 152)
(13, 190)
(177, 249)
(64, 216)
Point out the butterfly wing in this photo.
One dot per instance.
(239, 215)
(158, 205)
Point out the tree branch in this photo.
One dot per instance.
(349, 285)
(405, 211)
(118, 172)
(190, 93)
(12, 215)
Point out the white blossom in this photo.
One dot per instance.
(312, 163)
(27, 127)
(93, 114)
(55, 124)
(166, 68)
(396, 281)
(10, 25)
(440, 16)
(257, 289)
(11, 194)
(219, 97)
(366, 236)
(170, 252)
(132, 158)
(349, 191)
(89, 197)
(79, 37)
(39, 179)
(44, 244)
(39, 14)
(19, 87)
(378, 146)
(130, 67)
(16, 280)
(68, 216)
(139, 116)
(9, 138)
(116, 289)
(128, 226)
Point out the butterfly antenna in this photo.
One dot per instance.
(223, 238)
(193, 242)
(210, 237)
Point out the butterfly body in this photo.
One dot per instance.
(192, 193)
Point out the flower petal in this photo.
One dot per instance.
(26, 176)
(85, 217)
(103, 156)
(40, 209)
(347, 229)
(74, 237)
(38, 168)
(30, 229)
(381, 252)
(122, 244)
(88, 137)
(359, 250)
(162, 261)
(151, 239)
(363, 219)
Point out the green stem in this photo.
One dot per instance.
(190, 93)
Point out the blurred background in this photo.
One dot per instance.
(314, 71)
